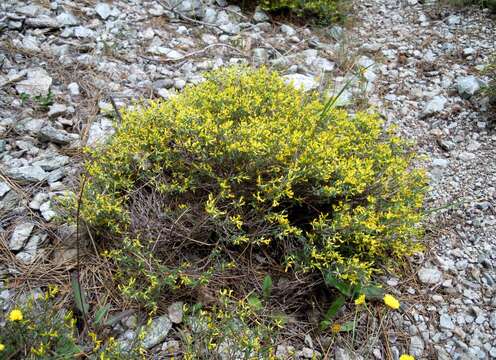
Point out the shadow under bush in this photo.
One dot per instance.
(243, 176)
(323, 12)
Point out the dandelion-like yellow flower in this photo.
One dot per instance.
(406, 357)
(2, 347)
(335, 328)
(391, 301)
(360, 300)
(15, 315)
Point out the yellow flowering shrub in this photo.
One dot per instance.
(243, 159)
(37, 329)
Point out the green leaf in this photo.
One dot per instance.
(344, 287)
(255, 302)
(67, 350)
(267, 286)
(324, 324)
(347, 326)
(373, 292)
(100, 314)
(336, 305)
(79, 295)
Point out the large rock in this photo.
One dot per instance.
(51, 162)
(30, 250)
(100, 132)
(46, 211)
(430, 276)
(157, 331)
(186, 6)
(156, 49)
(103, 10)
(57, 136)
(417, 346)
(288, 30)
(38, 82)
(56, 110)
(37, 200)
(28, 173)
(67, 19)
(260, 15)
(10, 201)
(4, 188)
(42, 21)
(29, 10)
(19, 236)
(299, 81)
(435, 105)
(176, 312)
(445, 322)
(83, 32)
(468, 86)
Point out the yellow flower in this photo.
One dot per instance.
(15, 315)
(406, 357)
(2, 347)
(360, 300)
(391, 301)
(335, 328)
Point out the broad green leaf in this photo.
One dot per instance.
(373, 292)
(347, 326)
(100, 314)
(345, 288)
(267, 286)
(255, 302)
(79, 295)
(336, 305)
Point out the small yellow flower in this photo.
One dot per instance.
(15, 315)
(406, 357)
(391, 301)
(335, 328)
(2, 347)
(360, 300)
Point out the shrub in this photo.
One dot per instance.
(323, 12)
(326, 11)
(244, 164)
(38, 330)
(490, 90)
(490, 4)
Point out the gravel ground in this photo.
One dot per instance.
(421, 66)
(430, 59)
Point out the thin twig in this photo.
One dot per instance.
(119, 117)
